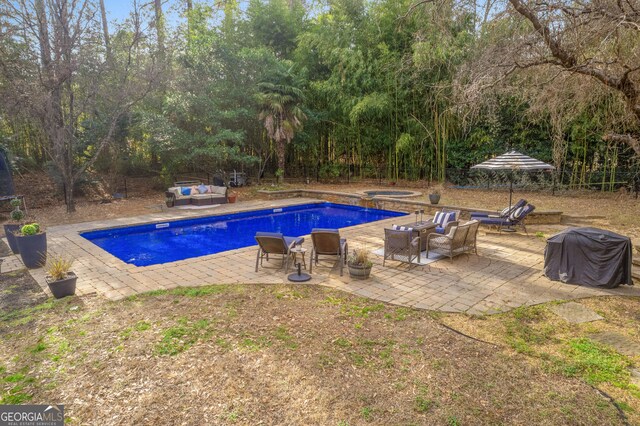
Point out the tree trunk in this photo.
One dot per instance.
(105, 28)
(159, 23)
(68, 193)
(281, 146)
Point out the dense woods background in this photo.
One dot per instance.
(332, 89)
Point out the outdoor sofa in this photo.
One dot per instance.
(199, 195)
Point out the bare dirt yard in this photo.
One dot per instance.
(274, 355)
(278, 355)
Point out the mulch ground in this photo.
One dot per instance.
(250, 355)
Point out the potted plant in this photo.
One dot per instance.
(232, 197)
(359, 264)
(434, 197)
(10, 228)
(60, 278)
(32, 244)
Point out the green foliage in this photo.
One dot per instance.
(30, 229)
(16, 203)
(17, 215)
(594, 363)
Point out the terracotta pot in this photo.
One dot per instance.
(63, 288)
(9, 232)
(33, 249)
(232, 198)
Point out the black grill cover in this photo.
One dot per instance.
(588, 256)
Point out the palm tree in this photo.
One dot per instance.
(281, 113)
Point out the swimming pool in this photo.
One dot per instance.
(154, 243)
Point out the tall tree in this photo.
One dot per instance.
(281, 112)
(595, 42)
(79, 99)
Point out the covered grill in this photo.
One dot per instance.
(589, 256)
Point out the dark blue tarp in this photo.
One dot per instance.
(589, 256)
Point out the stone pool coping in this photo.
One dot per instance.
(507, 272)
(399, 203)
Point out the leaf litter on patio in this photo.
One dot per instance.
(277, 355)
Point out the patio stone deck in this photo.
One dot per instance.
(507, 272)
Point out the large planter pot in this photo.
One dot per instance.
(9, 231)
(434, 198)
(33, 249)
(359, 272)
(232, 198)
(63, 288)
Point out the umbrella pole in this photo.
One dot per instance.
(510, 192)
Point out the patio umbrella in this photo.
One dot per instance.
(513, 161)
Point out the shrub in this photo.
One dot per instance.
(15, 203)
(30, 229)
(58, 267)
(17, 215)
(360, 257)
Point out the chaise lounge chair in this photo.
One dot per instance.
(276, 243)
(516, 219)
(327, 242)
(505, 213)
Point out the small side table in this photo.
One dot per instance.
(301, 251)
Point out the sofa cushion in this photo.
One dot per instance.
(219, 190)
(201, 196)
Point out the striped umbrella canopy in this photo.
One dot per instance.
(514, 161)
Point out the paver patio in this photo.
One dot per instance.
(506, 273)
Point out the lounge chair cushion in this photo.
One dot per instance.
(324, 230)
(440, 229)
(287, 240)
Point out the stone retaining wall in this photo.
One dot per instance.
(399, 204)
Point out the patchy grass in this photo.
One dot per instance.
(562, 348)
(287, 355)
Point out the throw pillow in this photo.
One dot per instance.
(185, 191)
(194, 190)
(447, 217)
(401, 228)
(516, 214)
(437, 219)
(203, 189)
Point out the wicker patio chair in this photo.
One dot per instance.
(401, 246)
(470, 239)
(278, 244)
(451, 244)
(327, 242)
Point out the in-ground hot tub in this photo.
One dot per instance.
(392, 193)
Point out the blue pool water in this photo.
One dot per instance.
(151, 244)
